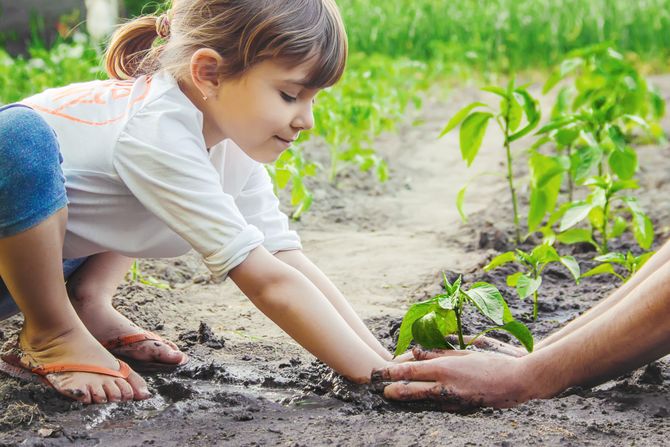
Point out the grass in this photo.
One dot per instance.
(506, 35)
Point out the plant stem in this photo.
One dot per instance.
(461, 342)
(570, 181)
(510, 179)
(603, 230)
(535, 306)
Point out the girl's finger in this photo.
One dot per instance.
(406, 357)
(426, 370)
(412, 390)
(423, 354)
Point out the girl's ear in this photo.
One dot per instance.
(205, 64)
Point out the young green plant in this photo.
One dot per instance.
(528, 281)
(629, 262)
(604, 209)
(429, 322)
(515, 104)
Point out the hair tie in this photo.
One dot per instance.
(163, 26)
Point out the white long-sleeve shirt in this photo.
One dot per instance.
(141, 182)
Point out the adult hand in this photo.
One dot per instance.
(458, 380)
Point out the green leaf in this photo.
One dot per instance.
(544, 254)
(572, 265)
(526, 286)
(546, 179)
(427, 332)
(575, 236)
(460, 198)
(566, 136)
(643, 230)
(460, 116)
(513, 279)
(584, 160)
(488, 300)
(500, 260)
(602, 269)
(617, 258)
(623, 162)
(520, 332)
(495, 90)
(415, 312)
(618, 227)
(575, 214)
(617, 137)
(513, 115)
(472, 134)
(533, 115)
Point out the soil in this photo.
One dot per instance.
(385, 246)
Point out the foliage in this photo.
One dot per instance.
(528, 281)
(136, 275)
(515, 105)
(429, 322)
(629, 262)
(505, 35)
(604, 211)
(292, 168)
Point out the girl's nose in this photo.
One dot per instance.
(305, 119)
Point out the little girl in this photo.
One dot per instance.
(163, 158)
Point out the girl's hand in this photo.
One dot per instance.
(406, 357)
(484, 343)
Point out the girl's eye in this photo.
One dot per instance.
(288, 98)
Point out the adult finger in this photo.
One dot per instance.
(437, 392)
(420, 370)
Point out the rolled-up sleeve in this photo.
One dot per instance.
(164, 164)
(260, 207)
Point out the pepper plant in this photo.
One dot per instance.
(605, 210)
(528, 280)
(429, 322)
(291, 168)
(629, 262)
(515, 104)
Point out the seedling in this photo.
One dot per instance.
(137, 276)
(292, 168)
(515, 103)
(429, 322)
(629, 262)
(528, 281)
(604, 210)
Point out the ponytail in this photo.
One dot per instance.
(131, 52)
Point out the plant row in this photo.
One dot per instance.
(583, 165)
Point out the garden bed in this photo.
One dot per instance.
(385, 246)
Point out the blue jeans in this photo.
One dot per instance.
(32, 185)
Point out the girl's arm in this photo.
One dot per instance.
(298, 260)
(294, 303)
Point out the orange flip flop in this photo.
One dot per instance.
(12, 365)
(114, 344)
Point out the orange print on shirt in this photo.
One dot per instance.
(101, 93)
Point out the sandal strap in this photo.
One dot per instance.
(123, 372)
(126, 340)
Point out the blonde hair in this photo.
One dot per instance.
(243, 32)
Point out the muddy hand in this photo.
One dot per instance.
(458, 380)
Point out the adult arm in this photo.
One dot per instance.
(296, 305)
(628, 335)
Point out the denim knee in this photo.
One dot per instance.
(32, 185)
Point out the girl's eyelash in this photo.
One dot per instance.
(287, 97)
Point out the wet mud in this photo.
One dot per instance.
(248, 384)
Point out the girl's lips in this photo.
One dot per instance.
(283, 142)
